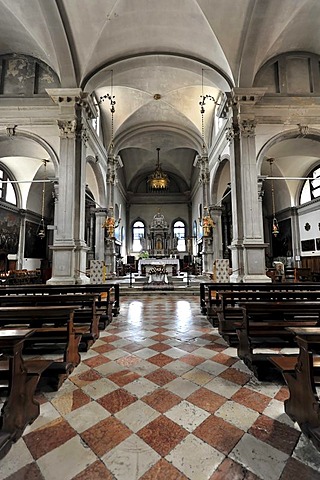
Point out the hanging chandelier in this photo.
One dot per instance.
(158, 181)
(41, 229)
(275, 225)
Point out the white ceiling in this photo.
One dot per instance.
(178, 49)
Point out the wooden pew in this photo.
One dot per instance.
(110, 304)
(47, 336)
(229, 312)
(264, 325)
(85, 314)
(212, 291)
(19, 379)
(302, 374)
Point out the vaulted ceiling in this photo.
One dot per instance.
(158, 57)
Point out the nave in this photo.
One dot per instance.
(160, 396)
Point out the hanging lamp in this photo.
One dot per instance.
(158, 181)
(275, 225)
(41, 229)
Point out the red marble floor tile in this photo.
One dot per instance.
(230, 470)
(207, 400)
(103, 348)
(128, 361)
(277, 434)
(283, 394)
(192, 359)
(224, 359)
(235, 376)
(106, 435)
(96, 471)
(251, 399)
(160, 337)
(162, 434)
(117, 400)
(219, 434)
(160, 360)
(161, 400)
(111, 338)
(70, 401)
(40, 398)
(295, 470)
(161, 377)
(123, 378)
(163, 470)
(45, 439)
(216, 347)
(85, 378)
(159, 329)
(29, 472)
(96, 361)
(210, 337)
(160, 347)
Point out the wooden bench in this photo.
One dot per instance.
(302, 374)
(229, 312)
(264, 325)
(211, 293)
(110, 293)
(47, 337)
(18, 382)
(85, 314)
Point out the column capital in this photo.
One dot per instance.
(248, 127)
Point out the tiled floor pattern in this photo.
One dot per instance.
(160, 396)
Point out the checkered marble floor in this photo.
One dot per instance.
(160, 396)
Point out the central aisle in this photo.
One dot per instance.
(160, 396)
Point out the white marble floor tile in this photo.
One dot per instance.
(223, 387)
(178, 367)
(187, 415)
(260, 458)
(238, 415)
(144, 368)
(72, 457)
(108, 368)
(99, 388)
(231, 351)
(115, 354)
(197, 376)
(145, 353)
(197, 466)
(17, 457)
(175, 352)
(266, 388)
(307, 453)
(141, 387)
(181, 387)
(47, 414)
(275, 410)
(213, 368)
(131, 459)
(204, 352)
(85, 417)
(137, 415)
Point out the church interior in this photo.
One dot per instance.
(154, 147)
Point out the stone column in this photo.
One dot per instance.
(22, 237)
(69, 247)
(100, 214)
(207, 242)
(216, 214)
(247, 247)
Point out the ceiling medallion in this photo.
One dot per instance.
(157, 96)
(159, 180)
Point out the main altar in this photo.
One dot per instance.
(150, 263)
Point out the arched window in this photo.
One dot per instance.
(311, 187)
(138, 236)
(7, 193)
(179, 231)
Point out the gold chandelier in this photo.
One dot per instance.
(159, 180)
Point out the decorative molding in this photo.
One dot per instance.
(248, 128)
(67, 128)
(11, 130)
(303, 129)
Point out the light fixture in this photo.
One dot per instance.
(158, 181)
(275, 226)
(112, 100)
(41, 233)
(202, 104)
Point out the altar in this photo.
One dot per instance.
(150, 263)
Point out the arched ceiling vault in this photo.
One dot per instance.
(176, 50)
